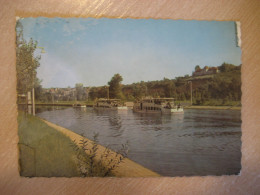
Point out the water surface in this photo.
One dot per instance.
(198, 142)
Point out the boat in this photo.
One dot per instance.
(109, 104)
(79, 105)
(157, 105)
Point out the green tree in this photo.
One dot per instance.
(169, 87)
(38, 90)
(227, 67)
(26, 62)
(197, 68)
(115, 90)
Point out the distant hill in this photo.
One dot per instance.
(223, 88)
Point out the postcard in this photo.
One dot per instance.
(128, 97)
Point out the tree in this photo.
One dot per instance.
(227, 67)
(115, 90)
(38, 89)
(79, 91)
(197, 68)
(26, 62)
(169, 87)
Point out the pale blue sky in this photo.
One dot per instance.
(91, 51)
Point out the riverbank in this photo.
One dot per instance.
(127, 168)
(214, 107)
(45, 150)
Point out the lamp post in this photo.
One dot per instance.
(190, 92)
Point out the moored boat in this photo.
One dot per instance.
(109, 104)
(157, 105)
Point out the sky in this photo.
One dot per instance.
(91, 51)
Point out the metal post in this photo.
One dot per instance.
(29, 102)
(33, 102)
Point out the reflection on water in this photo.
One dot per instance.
(39, 109)
(198, 142)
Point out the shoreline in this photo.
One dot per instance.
(128, 168)
(214, 107)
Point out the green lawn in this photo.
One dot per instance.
(43, 151)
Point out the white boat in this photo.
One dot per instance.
(157, 105)
(79, 106)
(109, 104)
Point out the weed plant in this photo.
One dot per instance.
(99, 162)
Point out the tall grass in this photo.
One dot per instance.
(98, 163)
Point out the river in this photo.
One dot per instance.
(198, 142)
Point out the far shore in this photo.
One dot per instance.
(185, 107)
(214, 107)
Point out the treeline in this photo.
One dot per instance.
(223, 88)
(78, 93)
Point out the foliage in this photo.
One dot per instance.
(80, 92)
(26, 62)
(98, 92)
(224, 87)
(115, 86)
(228, 67)
(197, 68)
(97, 163)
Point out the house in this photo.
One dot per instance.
(205, 71)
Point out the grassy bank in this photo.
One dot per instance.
(43, 151)
(46, 150)
(106, 157)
